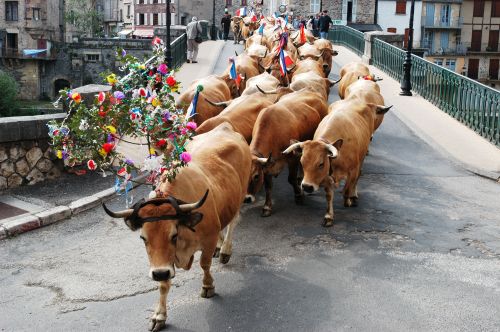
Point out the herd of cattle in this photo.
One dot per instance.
(247, 133)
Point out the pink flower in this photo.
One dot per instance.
(162, 69)
(185, 157)
(101, 97)
(184, 131)
(142, 92)
(191, 125)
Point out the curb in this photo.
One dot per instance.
(28, 222)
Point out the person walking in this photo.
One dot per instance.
(226, 24)
(324, 24)
(193, 31)
(316, 25)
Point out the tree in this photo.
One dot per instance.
(85, 16)
(9, 89)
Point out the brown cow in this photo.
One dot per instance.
(215, 88)
(311, 79)
(173, 230)
(367, 91)
(359, 67)
(349, 125)
(295, 37)
(326, 47)
(294, 116)
(241, 113)
(264, 81)
(236, 26)
(246, 66)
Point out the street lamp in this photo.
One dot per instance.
(406, 81)
(213, 23)
(168, 51)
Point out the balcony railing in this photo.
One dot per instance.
(14, 53)
(438, 23)
(459, 49)
(481, 48)
(470, 102)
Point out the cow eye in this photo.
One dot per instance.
(320, 166)
(143, 239)
(174, 239)
(256, 177)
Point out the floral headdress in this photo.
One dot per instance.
(139, 105)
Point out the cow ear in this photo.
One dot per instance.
(192, 219)
(133, 224)
(338, 143)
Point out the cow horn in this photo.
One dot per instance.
(267, 92)
(333, 150)
(293, 147)
(335, 53)
(235, 53)
(120, 214)
(193, 206)
(382, 109)
(219, 104)
(332, 83)
(376, 79)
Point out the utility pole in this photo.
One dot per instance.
(168, 51)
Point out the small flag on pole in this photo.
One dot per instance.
(302, 34)
(282, 63)
(241, 12)
(191, 111)
(261, 28)
(233, 74)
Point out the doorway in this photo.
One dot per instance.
(59, 85)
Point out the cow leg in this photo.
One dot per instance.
(227, 246)
(350, 190)
(157, 321)
(207, 289)
(268, 205)
(220, 240)
(329, 192)
(293, 170)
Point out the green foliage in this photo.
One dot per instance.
(9, 88)
(85, 17)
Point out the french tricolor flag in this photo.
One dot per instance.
(191, 111)
(233, 74)
(283, 63)
(241, 12)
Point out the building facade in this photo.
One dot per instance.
(394, 16)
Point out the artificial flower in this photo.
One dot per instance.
(76, 97)
(171, 81)
(191, 125)
(101, 97)
(59, 154)
(119, 95)
(111, 129)
(91, 164)
(185, 157)
(162, 69)
(161, 143)
(108, 147)
(111, 79)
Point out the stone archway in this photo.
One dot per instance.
(60, 84)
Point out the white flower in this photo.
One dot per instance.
(84, 125)
(151, 163)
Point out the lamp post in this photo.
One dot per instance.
(214, 37)
(168, 51)
(406, 81)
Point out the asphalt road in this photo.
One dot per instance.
(420, 252)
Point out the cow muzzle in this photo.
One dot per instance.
(162, 274)
(309, 188)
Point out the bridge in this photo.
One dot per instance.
(420, 252)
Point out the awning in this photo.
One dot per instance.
(144, 33)
(12, 30)
(125, 32)
(33, 52)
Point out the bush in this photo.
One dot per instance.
(8, 88)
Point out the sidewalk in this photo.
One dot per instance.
(25, 208)
(434, 126)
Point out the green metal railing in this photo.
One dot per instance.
(470, 102)
(179, 51)
(348, 37)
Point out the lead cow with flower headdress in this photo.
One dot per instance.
(191, 211)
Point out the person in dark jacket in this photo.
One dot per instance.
(324, 24)
(226, 24)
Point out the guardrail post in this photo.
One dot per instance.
(388, 37)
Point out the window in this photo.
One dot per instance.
(473, 68)
(450, 64)
(229, 2)
(36, 14)
(11, 11)
(12, 41)
(243, 2)
(393, 30)
(478, 8)
(314, 8)
(141, 1)
(493, 41)
(121, 14)
(475, 44)
(141, 19)
(128, 11)
(495, 8)
(155, 1)
(438, 62)
(494, 69)
(400, 6)
(92, 57)
(445, 15)
(155, 19)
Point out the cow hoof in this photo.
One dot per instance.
(207, 292)
(354, 201)
(347, 202)
(224, 258)
(299, 199)
(156, 325)
(266, 212)
(216, 252)
(328, 222)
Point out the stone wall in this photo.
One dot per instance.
(25, 155)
